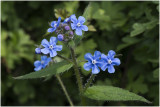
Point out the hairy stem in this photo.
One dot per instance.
(89, 81)
(64, 89)
(78, 76)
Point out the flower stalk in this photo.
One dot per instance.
(64, 89)
(78, 76)
(89, 81)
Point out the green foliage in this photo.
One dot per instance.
(114, 23)
(15, 45)
(49, 71)
(109, 93)
(140, 28)
(156, 73)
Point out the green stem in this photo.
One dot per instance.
(78, 76)
(89, 81)
(64, 58)
(64, 89)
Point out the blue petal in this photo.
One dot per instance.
(88, 56)
(87, 66)
(58, 47)
(53, 53)
(66, 20)
(49, 59)
(73, 19)
(38, 68)
(111, 54)
(53, 40)
(111, 69)
(45, 50)
(37, 63)
(58, 22)
(79, 31)
(97, 54)
(38, 50)
(116, 61)
(73, 26)
(44, 65)
(51, 30)
(100, 63)
(53, 23)
(104, 57)
(46, 62)
(81, 19)
(45, 43)
(95, 70)
(43, 58)
(104, 67)
(84, 27)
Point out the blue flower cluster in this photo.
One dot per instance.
(48, 48)
(102, 61)
(65, 29)
(64, 32)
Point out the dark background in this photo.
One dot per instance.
(129, 28)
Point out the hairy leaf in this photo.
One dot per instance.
(55, 68)
(109, 93)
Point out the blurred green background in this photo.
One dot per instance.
(129, 28)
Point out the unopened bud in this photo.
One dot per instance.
(38, 50)
(60, 37)
(67, 28)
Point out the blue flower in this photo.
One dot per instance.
(93, 62)
(78, 24)
(54, 25)
(38, 50)
(50, 47)
(110, 61)
(41, 64)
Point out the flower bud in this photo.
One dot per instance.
(71, 32)
(60, 37)
(67, 28)
(38, 50)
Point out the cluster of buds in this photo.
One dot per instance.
(64, 32)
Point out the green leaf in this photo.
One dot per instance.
(87, 12)
(156, 73)
(53, 69)
(141, 27)
(109, 93)
(128, 41)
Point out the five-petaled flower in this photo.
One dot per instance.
(93, 62)
(50, 47)
(110, 61)
(54, 25)
(78, 24)
(41, 64)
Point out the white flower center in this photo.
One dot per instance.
(93, 61)
(109, 61)
(78, 24)
(42, 62)
(55, 25)
(51, 46)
